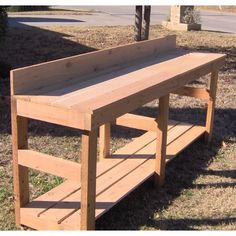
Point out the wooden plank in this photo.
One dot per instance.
(104, 141)
(163, 114)
(20, 173)
(200, 93)
(88, 179)
(211, 106)
(134, 173)
(122, 101)
(49, 164)
(109, 170)
(55, 115)
(117, 79)
(140, 122)
(115, 182)
(30, 214)
(133, 155)
(81, 67)
(184, 141)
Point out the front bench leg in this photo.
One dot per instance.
(162, 119)
(211, 106)
(88, 179)
(20, 173)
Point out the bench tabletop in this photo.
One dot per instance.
(101, 91)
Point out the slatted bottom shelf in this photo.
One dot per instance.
(116, 177)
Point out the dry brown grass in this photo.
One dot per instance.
(200, 184)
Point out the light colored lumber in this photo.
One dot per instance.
(49, 164)
(140, 122)
(123, 178)
(183, 141)
(30, 215)
(80, 67)
(116, 177)
(104, 141)
(133, 78)
(211, 106)
(55, 115)
(109, 171)
(200, 93)
(121, 101)
(20, 173)
(88, 179)
(163, 114)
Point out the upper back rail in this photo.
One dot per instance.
(27, 79)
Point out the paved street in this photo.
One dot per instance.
(122, 15)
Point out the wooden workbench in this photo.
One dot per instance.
(92, 91)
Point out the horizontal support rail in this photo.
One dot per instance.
(139, 122)
(200, 93)
(49, 164)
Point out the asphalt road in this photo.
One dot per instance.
(122, 15)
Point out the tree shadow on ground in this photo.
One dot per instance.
(31, 45)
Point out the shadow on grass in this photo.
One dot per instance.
(20, 21)
(187, 224)
(230, 65)
(31, 45)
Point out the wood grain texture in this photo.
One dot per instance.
(163, 116)
(81, 67)
(20, 173)
(104, 141)
(49, 164)
(116, 177)
(211, 106)
(140, 122)
(88, 179)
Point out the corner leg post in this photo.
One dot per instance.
(20, 173)
(162, 119)
(88, 179)
(211, 106)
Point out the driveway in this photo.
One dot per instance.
(122, 15)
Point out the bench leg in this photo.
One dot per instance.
(211, 106)
(104, 141)
(20, 173)
(162, 119)
(88, 179)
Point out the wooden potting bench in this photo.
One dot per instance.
(89, 92)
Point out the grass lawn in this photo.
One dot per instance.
(200, 184)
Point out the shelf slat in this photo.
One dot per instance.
(116, 177)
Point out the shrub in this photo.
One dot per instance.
(191, 16)
(27, 8)
(3, 22)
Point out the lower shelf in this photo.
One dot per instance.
(117, 176)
